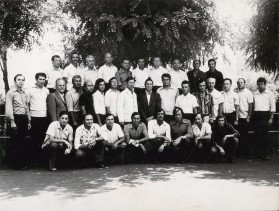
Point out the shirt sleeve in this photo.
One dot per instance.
(119, 131)
(51, 129)
(69, 102)
(195, 102)
(71, 134)
(151, 135)
(168, 132)
(272, 102)
(9, 106)
(126, 132)
(221, 99)
(120, 107)
(96, 103)
(107, 99)
(236, 99)
(66, 73)
(177, 102)
(250, 97)
(208, 128)
(117, 76)
(77, 138)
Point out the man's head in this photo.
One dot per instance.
(108, 58)
(19, 80)
(90, 61)
(185, 87)
(211, 64)
(196, 64)
(261, 83)
(88, 120)
(211, 83)
(56, 61)
(241, 83)
(109, 120)
(113, 83)
(135, 119)
(157, 61)
(76, 80)
(227, 84)
(176, 64)
(178, 113)
(60, 85)
(202, 85)
(148, 84)
(166, 79)
(40, 79)
(100, 84)
(88, 85)
(160, 115)
(63, 118)
(141, 63)
(221, 120)
(74, 58)
(126, 64)
(130, 83)
(198, 119)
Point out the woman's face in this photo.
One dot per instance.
(102, 86)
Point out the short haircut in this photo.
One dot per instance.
(107, 53)
(154, 57)
(166, 75)
(211, 78)
(228, 79)
(88, 114)
(60, 79)
(63, 113)
(185, 82)
(176, 109)
(141, 58)
(129, 79)
(55, 56)
(200, 81)
(89, 56)
(197, 115)
(73, 54)
(110, 80)
(161, 110)
(261, 80)
(221, 116)
(108, 115)
(40, 74)
(76, 76)
(148, 79)
(17, 75)
(134, 114)
(211, 60)
(176, 59)
(124, 59)
(197, 60)
(242, 79)
(98, 81)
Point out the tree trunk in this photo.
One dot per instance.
(4, 68)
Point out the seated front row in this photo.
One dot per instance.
(178, 141)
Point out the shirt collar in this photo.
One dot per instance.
(60, 128)
(258, 92)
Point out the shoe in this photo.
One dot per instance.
(52, 166)
(24, 168)
(101, 165)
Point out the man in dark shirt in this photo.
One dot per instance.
(213, 73)
(195, 75)
(86, 99)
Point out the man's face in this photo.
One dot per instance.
(126, 64)
(108, 58)
(241, 84)
(160, 115)
(102, 86)
(221, 122)
(75, 58)
(227, 85)
(131, 84)
(136, 120)
(60, 86)
(202, 86)
(185, 89)
(176, 64)
(166, 81)
(141, 63)
(90, 62)
(56, 62)
(261, 86)
(64, 119)
(211, 83)
(157, 62)
(196, 65)
(113, 83)
(211, 65)
(178, 116)
(88, 120)
(109, 121)
(77, 83)
(89, 86)
(149, 86)
(20, 81)
(40, 82)
(198, 119)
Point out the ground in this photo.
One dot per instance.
(246, 185)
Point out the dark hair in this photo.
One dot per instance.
(176, 59)
(261, 80)
(197, 115)
(176, 109)
(129, 79)
(197, 60)
(211, 60)
(242, 79)
(98, 81)
(73, 54)
(134, 114)
(87, 114)
(221, 116)
(166, 75)
(107, 53)
(161, 110)
(63, 113)
(185, 82)
(55, 56)
(110, 80)
(228, 79)
(125, 59)
(76, 76)
(17, 76)
(201, 81)
(154, 57)
(40, 74)
(108, 115)
(148, 79)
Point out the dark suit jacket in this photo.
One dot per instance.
(219, 78)
(194, 80)
(146, 110)
(55, 104)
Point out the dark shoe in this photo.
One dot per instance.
(24, 168)
(100, 165)
(52, 166)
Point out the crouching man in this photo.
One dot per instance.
(59, 139)
(89, 144)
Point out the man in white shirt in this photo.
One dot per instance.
(127, 102)
(264, 109)
(54, 74)
(217, 99)
(177, 75)
(156, 73)
(37, 98)
(187, 102)
(71, 70)
(141, 73)
(168, 95)
(88, 142)
(111, 98)
(90, 73)
(231, 103)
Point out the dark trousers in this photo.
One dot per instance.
(115, 155)
(183, 151)
(56, 151)
(243, 146)
(152, 146)
(134, 154)
(230, 118)
(229, 147)
(38, 130)
(203, 150)
(260, 125)
(103, 118)
(20, 144)
(78, 117)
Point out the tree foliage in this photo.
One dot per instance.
(262, 45)
(144, 28)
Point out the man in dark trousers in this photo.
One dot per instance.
(213, 73)
(195, 75)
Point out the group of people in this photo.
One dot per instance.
(146, 114)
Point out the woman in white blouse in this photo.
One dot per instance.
(99, 101)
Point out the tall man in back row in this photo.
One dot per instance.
(195, 75)
(213, 73)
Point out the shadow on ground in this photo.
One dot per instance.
(76, 183)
